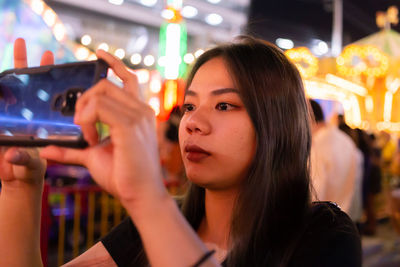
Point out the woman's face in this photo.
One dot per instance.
(217, 138)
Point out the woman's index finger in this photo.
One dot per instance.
(120, 70)
(20, 58)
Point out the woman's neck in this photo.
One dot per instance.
(215, 226)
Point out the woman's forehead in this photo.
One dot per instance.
(213, 73)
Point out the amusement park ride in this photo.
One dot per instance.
(364, 78)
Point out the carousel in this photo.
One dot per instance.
(363, 81)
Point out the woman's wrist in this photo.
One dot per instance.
(149, 206)
(17, 188)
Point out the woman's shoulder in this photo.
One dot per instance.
(330, 238)
(328, 221)
(328, 215)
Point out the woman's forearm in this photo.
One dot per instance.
(168, 238)
(20, 211)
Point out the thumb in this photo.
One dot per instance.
(23, 157)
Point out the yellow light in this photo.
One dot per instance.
(155, 85)
(365, 125)
(103, 46)
(369, 104)
(318, 88)
(92, 56)
(392, 84)
(391, 126)
(370, 81)
(198, 53)
(143, 75)
(340, 61)
(366, 54)
(355, 110)
(136, 58)
(380, 126)
(148, 60)
(49, 17)
(322, 90)
(170, 94)
(37, 6)
(86, 39)
(188, 58)
(154, 103)
(387, 109)
(304, 60)
(120, 53)
(82, 53)
(394, 127)
(352, 87)
(59, 31)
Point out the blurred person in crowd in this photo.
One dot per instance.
(388, 147)
(335, 165)
(372, 186)
(170, 155)
(245, 140)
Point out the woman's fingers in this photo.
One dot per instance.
(130, 80)
(47, 58)
(20, 56)
(106, 110)
(22, 164)
(64, 155)
(107, 88)
(20, 59)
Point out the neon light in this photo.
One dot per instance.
(387, 109)
(177, 44)
(352, 87)
(172, 49)
(369, 104)
(170, 94)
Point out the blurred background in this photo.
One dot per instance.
(348, 53)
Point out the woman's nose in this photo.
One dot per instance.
(198, 122)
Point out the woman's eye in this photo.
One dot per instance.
(187, 107)
(224, 106)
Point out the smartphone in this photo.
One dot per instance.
(37, 104)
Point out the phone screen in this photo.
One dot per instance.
(37, 104)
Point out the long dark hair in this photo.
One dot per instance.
(274, 200)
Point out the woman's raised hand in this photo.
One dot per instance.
(127, 163)
(21, 164)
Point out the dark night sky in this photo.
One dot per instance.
(303, 20)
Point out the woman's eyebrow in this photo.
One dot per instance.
(225, 91)
(215, 92)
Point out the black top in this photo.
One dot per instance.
(330, 240)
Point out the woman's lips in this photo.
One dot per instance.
(196, 156)
(195, 153)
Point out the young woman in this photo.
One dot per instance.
(245, 142)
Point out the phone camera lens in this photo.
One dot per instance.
(58, 102)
